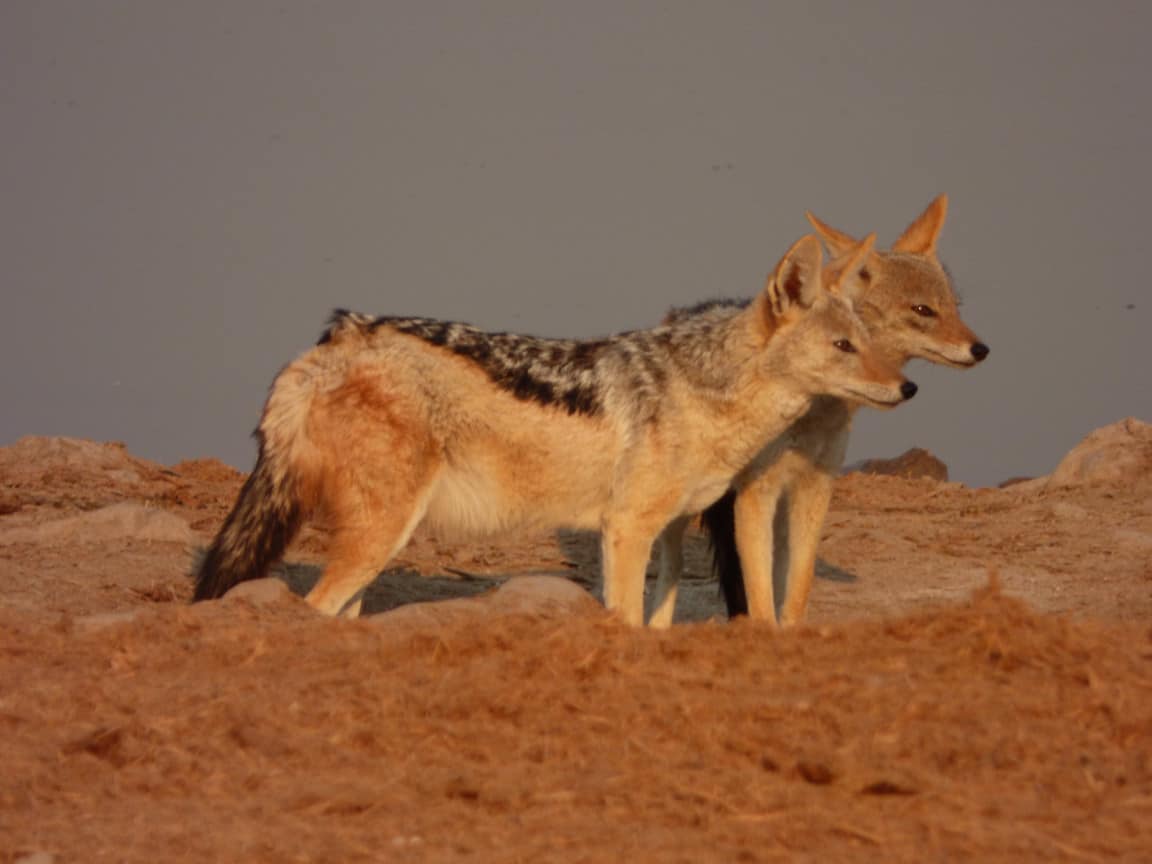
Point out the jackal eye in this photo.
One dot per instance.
(865, 274)
(845, 346)
(924, 311)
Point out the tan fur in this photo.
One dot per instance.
(381, 429)
(798, 468)
(408, 433)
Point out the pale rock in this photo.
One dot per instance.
(126, 520)
(262, 592)
(1118, 453)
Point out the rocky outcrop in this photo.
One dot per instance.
(916, 462)
(1117, 453)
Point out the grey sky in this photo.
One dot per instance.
(189, 188)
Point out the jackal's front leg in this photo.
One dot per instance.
(625, 547)
(808, 503)
(755, 513)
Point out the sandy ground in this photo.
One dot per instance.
(922, 714)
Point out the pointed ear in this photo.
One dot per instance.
(848, 275)
(795, 283)
(837, 241)
(920, 237)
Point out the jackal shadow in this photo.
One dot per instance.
(699, 598)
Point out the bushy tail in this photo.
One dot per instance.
(262, 523)
(719, 522)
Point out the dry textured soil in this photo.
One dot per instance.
(974, 683)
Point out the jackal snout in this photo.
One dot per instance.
(877, 382)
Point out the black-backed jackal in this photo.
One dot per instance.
(390, 422)
(906, 299)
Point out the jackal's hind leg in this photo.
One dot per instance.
(362, 547)
(671, 545)
(352, 607)
(354, 561)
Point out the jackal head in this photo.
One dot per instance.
(813, 336)
(905, 295)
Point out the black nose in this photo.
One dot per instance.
(908, 389)
(979, 350)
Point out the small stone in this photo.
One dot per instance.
(816, 773)
(262, 592)
(544, 594)
(104, 620)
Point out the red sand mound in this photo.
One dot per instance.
(910, 721)
(220, 732)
